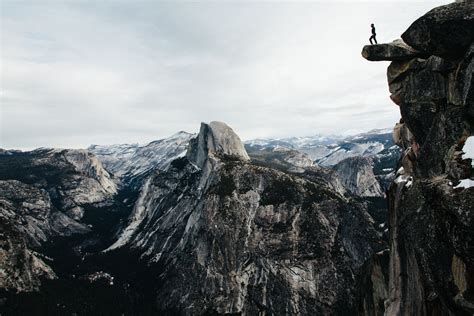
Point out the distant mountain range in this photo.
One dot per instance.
(113, 216)
(329, 150)
(205, 225)
(131, 163)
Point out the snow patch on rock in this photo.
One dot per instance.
(129, 161)
(465, 184)
(468, 149)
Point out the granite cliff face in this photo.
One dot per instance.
(431, 200)
(215, 139)
(213, 231)
(131, 164)
(226, 236)
(357, 175)
(45, 195)
(210, 232)
(20, 266)
(280, 157)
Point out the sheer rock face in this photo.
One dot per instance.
(358, 177)
(43, 194)
(431, 220)
(88, 164)
(216, 139)
(72, 177)
(226, 236)
(20, 267)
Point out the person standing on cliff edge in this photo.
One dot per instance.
(373, 35)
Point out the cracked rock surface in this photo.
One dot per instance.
(430, 214)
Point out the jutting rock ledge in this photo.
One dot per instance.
(431, 216)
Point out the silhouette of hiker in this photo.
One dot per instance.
(373, 35)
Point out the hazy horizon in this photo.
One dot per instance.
(329, 135)
(79, 73)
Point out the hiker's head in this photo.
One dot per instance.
(372, 24)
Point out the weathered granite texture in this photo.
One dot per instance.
(431, 217)
(229, 237)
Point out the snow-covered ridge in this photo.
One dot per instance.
(127, 161)
(329, 150)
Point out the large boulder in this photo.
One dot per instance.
(446, 31)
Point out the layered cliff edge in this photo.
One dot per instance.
(431, 202)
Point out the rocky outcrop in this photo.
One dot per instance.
(88, 164)
(430, 217)
(224, 236)
(216, 139)
(358, 177)
(396, 51)
(34, 214)
(22, 269)
(43, 197)
(446, 31)
(71, 177)
(25, 221)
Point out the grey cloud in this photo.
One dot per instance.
(81, 72)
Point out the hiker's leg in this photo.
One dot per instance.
(370, 40)
(375, 40)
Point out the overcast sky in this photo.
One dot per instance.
(74, 73)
